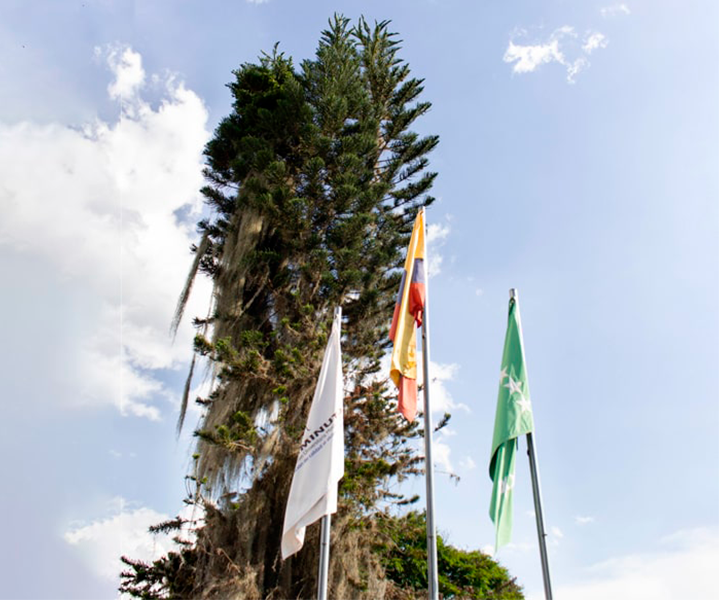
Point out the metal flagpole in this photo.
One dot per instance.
(429, 482)
(539, 516)
(324, 557)
(538, 501)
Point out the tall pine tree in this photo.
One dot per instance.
(314, 181)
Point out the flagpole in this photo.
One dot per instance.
(539, 516)
(429, 478)
(324, 557)
(537, 500)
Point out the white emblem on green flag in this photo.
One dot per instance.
(513, 418)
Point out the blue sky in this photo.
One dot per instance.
(578, 163)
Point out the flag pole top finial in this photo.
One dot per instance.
(513, 293)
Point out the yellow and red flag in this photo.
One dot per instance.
(409, 310)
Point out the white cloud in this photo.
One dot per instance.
(580, 520)
(124, 532)
(440, 399)
(440, 402)
(528, 58)
(441, 456)
(615, 10)
(593, 41)
(555, 536)
(579, 64)
(467, 463)
(519, 548)
(684, 565)
(118, 455)
(437, 233)
(129, 73)
(442, 450)
(562, 47)
(103, 214)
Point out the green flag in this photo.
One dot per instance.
(513, 418)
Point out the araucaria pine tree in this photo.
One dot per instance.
(313, 181)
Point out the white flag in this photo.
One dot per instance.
(320, 465)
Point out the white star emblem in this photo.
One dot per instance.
(523, 404)
(507, 484)
(514, 386)
(503, 374)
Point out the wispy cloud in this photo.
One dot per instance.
(437, 233)
(441, 456)
(594, 41)
(441, 400)
(580, 520)
(519, 547)
(467, 463)
(614, 10)
(555, 536)
(564, 46)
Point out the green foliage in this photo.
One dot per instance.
(238, 433)
(462, 573)
(167, 577)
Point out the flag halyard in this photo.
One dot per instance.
(408, 314)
